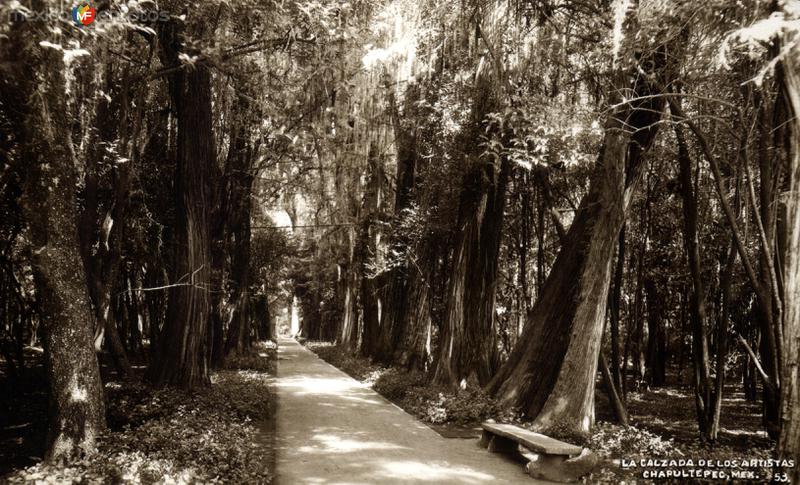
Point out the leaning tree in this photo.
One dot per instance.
(551, 372)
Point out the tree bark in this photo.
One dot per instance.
(370, 298)
(394, 329)
(76, 407)
(183, 357)
(235, 213)
(263, 318)
(614, 399)
(789, 438)
(551, 372)
(615, 304)
(656, 337)
(702, 383)
(413, 350)
(467, 341)
(350, 329)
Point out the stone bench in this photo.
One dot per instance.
(547, 458)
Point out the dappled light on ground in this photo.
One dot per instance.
(327, 443)
(333, 429)
(433, 472)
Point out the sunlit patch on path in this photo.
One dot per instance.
(331, 429)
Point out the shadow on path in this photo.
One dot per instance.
(331, 429)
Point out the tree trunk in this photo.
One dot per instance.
(702, 383)
(263, 318)
(350, 328)
(617, 406)
(636, 335)
(551, 372)
(413, 350)
(235, 214)
(183, 357)
(789, 438)
(76, 407)
(467, 341)
(394, 318)
(216, 335)
(370, 299)
(615, 303)
(715, 410)
(656, 340)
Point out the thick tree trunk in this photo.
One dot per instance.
(263, 318)
(413, 350)
(76, 407)
(467, 340)
(551, 372)
(789, 438)
(235, 213)
(394, 318)
(350, 328)
(183, 357)
(370, 298)
(238, 340)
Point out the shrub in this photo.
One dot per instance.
(614, 440)
(410, 389)
(394, 384)
(470, 405)
(439, 406)
(171, 436)
(353, 365)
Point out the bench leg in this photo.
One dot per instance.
(560, 468)
(499, 444)
(547, 467)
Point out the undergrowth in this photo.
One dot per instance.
(171, 436)
(410, 389)
(413, 392)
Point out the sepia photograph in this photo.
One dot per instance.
(368, 242)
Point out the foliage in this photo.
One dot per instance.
(411, 390)
(261, 358)
(395, 384)
(216, 435)
(357, 367)
(614, 440)
(439, 406)
(334, 97)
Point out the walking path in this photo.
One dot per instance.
(331, 429)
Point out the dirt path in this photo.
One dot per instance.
(332, 429)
